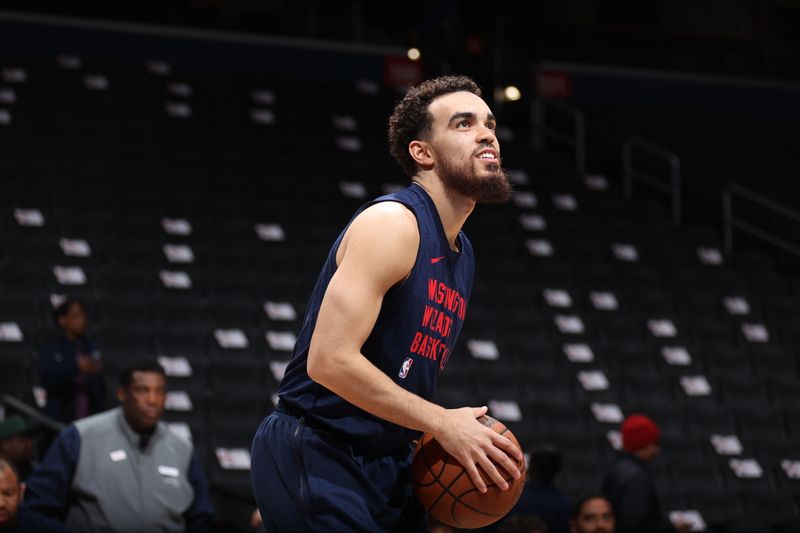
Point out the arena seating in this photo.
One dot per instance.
(192, 212)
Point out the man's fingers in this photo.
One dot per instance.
(480, 411)
(502, 458)
(491, 470)
(477, 480)
(505, 444)
(485, 455)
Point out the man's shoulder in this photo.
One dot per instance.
(54, 343)
(383, 235)
(98, 422)
(407, 202)
(629, 461)
(389, 210)
(178, 441)
(627, 468)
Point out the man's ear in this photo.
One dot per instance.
(22, 487)
(420, 152)
(121, 394)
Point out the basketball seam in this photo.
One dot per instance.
(447, 489)
(457, 499)
(468, 506)
(436, 477)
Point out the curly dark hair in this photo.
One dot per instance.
(411, 120)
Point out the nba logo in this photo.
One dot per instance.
(405, 367)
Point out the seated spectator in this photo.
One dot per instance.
(16, 444)
(14, 517)
(523, 523)
(124, 469)
(629, 486)
(70, 367)
(593, 514)
(540, 497)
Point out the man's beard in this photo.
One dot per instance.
(493, 188)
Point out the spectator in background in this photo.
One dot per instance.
(14, 517)
(593, 514)
(16, 444)
(70, 367)
(540, 497)
(629, 486)
(124, 470)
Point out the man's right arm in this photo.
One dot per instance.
(47, 489)
(378, 251)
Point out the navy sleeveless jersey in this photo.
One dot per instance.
(415, 331)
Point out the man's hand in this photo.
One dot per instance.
(89, 365)
(472, 444)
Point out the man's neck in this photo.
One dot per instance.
(453, 208)
(135, 428)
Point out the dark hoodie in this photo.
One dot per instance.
(632, 493)
(63, 381)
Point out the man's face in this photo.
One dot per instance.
(595, 517)
(649, 453)
(143, 401)
(465, 148)
(9, 496)
(74, 321)
(655, 452)
(17, 449)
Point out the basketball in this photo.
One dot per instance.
(446, 491)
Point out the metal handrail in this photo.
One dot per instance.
(730, 221)
(32, 413)
(672, 186)
(542, 130)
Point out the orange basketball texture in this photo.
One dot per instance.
(447, 492)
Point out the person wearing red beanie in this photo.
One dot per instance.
(629, 486)
(638, 433)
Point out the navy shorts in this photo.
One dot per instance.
(305, 479)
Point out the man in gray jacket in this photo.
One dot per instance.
(123, 469)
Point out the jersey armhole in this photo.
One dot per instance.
(400, 284)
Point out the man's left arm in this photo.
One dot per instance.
(198, 516)
(48, 489)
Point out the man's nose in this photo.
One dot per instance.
(487, 135)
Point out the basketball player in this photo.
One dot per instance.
(385, 313)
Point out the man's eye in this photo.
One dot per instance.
(464, 124)
(491, 125)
